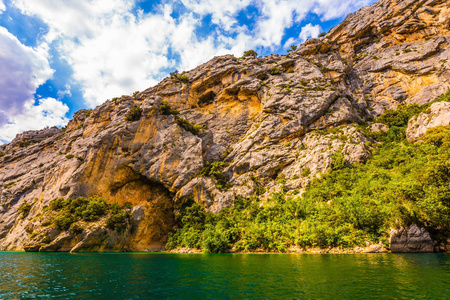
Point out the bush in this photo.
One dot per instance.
(215, 170)
(134, 114)
(56, 204)
(274, 71)
(76, 229)
(117, 220)
(399, 117)
(183, 78)
(338, 161)
(189, 126)
(94, 209)
(24, 209)
(64, 221)
(250, 53)
(166, 109)
(306, 172)
(213, 240)
(70, 210)
(293, 48)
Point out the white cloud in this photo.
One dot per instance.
(223, 12)
(67, 92)
(289, 42)
(332, 9)
(114, 51)
(310, 31)
(2, 7)
(49, 112)
(22, 71)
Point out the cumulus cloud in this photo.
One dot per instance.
(114, 51)
(331, 9)
(22, 71)
(223, 13)
(310, 31)
(48, 112)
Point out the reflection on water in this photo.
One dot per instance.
(143, 276)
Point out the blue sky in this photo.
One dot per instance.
(57, 57)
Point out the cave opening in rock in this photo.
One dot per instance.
(206, 99)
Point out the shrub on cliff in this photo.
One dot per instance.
(70, 210)
(134, 114)
(274, 71)
(215, 170)
(64, 221)
(24, 209)
(183, 77)
(250, 53)
(118, 217)
(188, 125)
(166, 109)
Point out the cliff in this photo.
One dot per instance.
(228, 129)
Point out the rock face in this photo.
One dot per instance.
(438, 115)
(412, 239)
(272, 122)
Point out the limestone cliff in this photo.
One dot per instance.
(262, 117)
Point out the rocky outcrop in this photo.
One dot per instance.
(438, 115)
(411, 239)
(27, 138)
(377, 127)
(268, 124)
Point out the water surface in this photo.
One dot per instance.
(232, 276)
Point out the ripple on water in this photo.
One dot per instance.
(143, 276)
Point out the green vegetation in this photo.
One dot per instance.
(274, 71)
(134, 114)
(24, 209)
(88, 113)
(402, 184)
(68, 211)
(183, 77)
(215, 170)
(397, 120)
(306, 172)
(249, 53)
(166, 109)
(293, 48)
(188, 125)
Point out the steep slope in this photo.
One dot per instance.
(229, 128)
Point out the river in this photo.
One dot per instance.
(227, 276)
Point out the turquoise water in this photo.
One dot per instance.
(237, 276)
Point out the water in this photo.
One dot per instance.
(248, 276)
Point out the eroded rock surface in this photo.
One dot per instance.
(411, 239)
(438, 115)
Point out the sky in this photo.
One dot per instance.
(60, 56)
